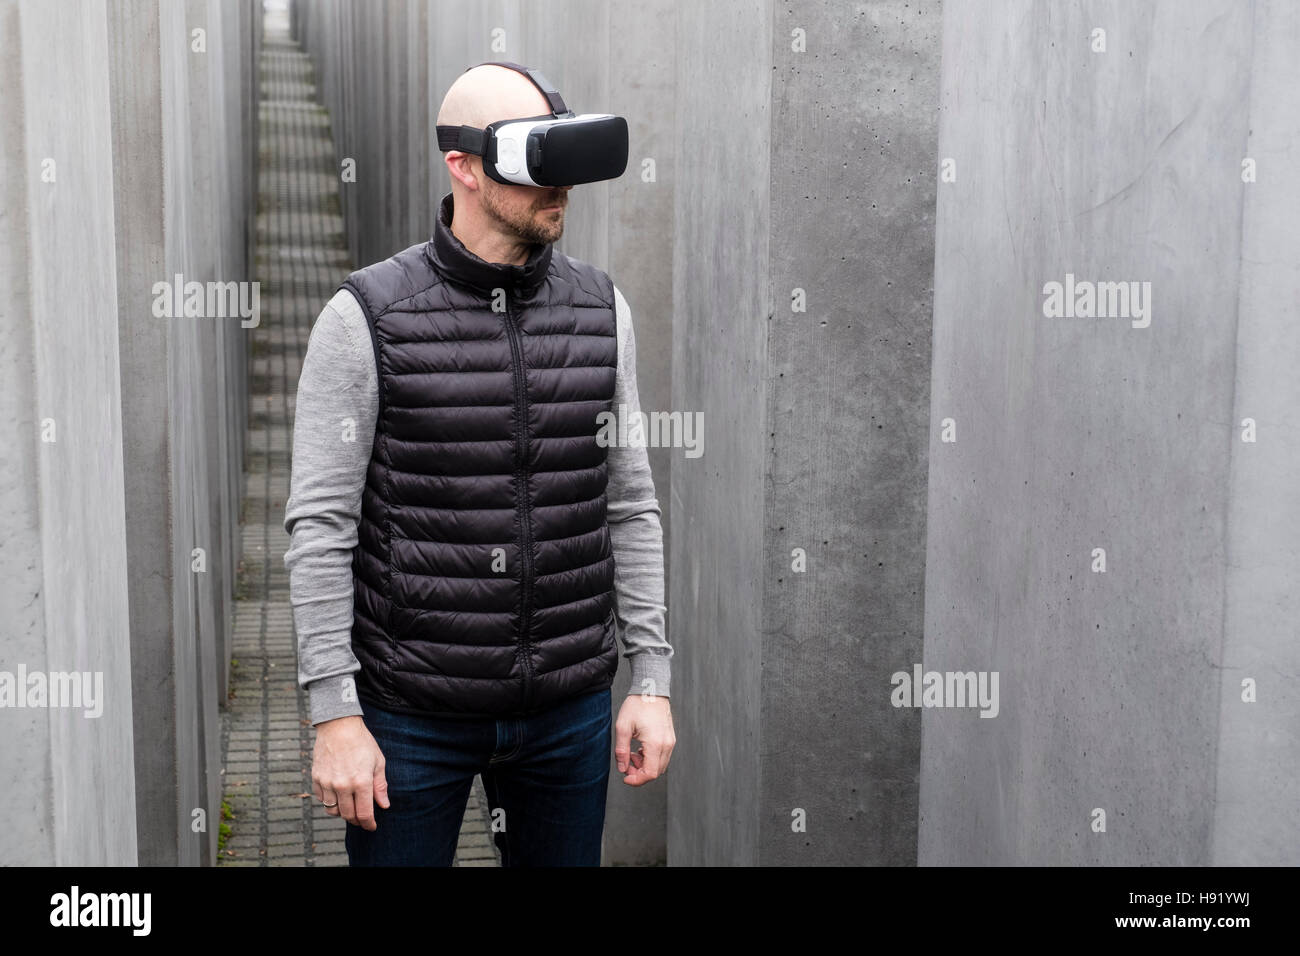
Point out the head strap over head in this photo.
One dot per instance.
(470, 139)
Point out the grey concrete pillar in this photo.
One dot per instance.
(1257, 785)
(182, 194)
(801, 320)
(127, 426)
(418, 121)
(449, 57)
(1100, 533)
(143, 343)
(63, 553)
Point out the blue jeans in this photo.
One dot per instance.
(547, 771)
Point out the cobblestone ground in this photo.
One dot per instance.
(267, 738)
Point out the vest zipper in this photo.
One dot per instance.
(525, 513)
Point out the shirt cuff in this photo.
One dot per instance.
(651, 673)
(333, 697)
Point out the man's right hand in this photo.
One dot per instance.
(347, 770)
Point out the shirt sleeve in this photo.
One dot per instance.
(333, 431)
(636, 534)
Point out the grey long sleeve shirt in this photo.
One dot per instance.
(334, 428)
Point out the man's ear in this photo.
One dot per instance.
(464, 167)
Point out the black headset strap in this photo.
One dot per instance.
(542, 83)
(466, 139)
(470, 139)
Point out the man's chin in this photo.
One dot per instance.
(550, 227)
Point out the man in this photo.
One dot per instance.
(462, 540)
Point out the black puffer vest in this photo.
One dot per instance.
(483, 574)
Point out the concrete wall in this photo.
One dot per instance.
(155, 172)
(720, 363)
(63, 554)
(1257, 787)
(185, 184)
(383, 71)
(814, 422)
(1119, 691)
(854, 129)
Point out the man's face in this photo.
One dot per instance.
(533, 213)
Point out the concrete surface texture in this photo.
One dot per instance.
(721, 308)
(1257, 788)
(799, 577)
(188, 388)
(855, 122)
(1088, 439)
(63, 555)
(382, 79)
(130, 129)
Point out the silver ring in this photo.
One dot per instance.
(329, 805)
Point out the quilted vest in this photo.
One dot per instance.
(483, 574)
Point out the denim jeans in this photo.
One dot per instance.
(547, 771)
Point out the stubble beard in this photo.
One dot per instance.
(528, 225)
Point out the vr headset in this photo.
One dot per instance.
(555, 149)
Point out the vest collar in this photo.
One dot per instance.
(449, 255)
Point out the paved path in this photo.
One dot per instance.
(267, 738)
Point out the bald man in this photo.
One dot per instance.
(463, 541)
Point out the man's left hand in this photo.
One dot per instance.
(649, 720)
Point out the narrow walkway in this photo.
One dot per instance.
(267, 737)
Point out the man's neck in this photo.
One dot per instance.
(488, 244)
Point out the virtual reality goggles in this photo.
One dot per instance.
(555, 149)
